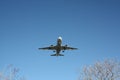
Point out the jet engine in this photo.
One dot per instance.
(63, 51)
(51, 45)
(66, 45)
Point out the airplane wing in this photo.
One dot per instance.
(68, 48)
(48, 48)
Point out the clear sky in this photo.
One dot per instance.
(93, 26)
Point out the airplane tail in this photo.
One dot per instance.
(57, 55)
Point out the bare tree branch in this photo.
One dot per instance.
(10, 73)
(106, 70)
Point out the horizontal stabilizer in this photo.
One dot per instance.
(57, 55)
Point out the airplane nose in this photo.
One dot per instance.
(60, 38)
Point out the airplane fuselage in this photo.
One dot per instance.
(59, 41)
(58, 46)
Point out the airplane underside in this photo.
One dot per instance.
(58, 48)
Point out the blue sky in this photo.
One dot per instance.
(93, 26)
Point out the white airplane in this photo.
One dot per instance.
(58, 48)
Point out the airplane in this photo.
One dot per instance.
(58, 48)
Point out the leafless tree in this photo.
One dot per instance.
(107, 70)
(10, 73)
